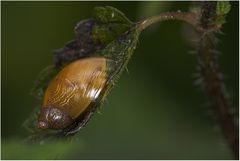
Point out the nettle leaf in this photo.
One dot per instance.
(109, 14)
(43, 80)
(111, 23)
(93, 35)
(107, 34)
(222, 9)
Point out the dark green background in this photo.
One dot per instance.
(154, 112)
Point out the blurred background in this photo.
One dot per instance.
(155, 111)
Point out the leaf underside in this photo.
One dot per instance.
(107, 34)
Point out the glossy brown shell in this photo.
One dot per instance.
(76, 86)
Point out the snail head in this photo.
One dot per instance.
(53, 118)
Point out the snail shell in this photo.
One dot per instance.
(71, 92)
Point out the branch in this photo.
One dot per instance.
(188, 17)
(212, 84)
(207, 22)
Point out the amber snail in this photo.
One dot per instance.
(71, 92)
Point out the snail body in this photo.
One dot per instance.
(71, 92)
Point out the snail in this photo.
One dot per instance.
(71, 92)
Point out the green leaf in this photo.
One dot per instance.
(105, 33)
(110, 24)
(93, 36)
(223, 7)
(120, 51)
(43, 80)
(110, 35)
(110, 15)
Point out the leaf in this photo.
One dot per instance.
(119, 52)
(43, 80)
(92, 35)
(110, 15)
(222, 9)
(111, 23)
(108, 34)
(82, 46)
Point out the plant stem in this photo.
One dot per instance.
(212, 83)
(208, 63)
(214, 90)
(183, 16)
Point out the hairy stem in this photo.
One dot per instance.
(208, 65)
(212, 83)
(214, 90)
